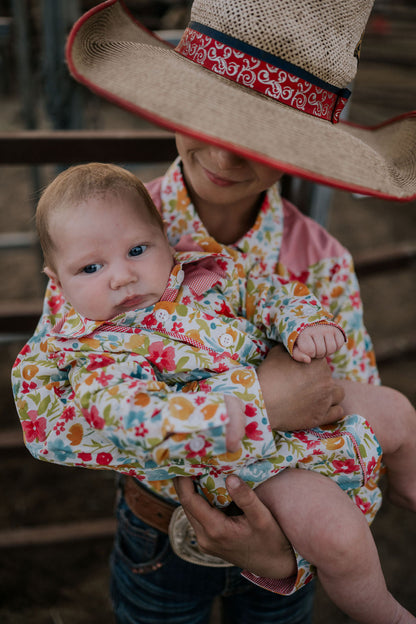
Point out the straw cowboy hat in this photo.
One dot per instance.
(264, 78)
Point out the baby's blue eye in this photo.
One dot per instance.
(91, 268)
(137, 250)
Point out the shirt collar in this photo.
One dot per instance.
(262, 242)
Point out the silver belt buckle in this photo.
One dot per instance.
(184, 543)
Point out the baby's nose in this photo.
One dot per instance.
(121, 277)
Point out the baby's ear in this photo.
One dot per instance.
(52, 275)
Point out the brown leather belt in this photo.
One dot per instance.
(147, 506)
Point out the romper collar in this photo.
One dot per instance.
(199, 270)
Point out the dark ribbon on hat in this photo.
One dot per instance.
(263, 72)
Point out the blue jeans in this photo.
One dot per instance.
(151, 585)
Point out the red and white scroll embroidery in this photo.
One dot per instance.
(249, 71)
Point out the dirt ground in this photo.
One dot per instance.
(67, 583)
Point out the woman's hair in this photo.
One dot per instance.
(77, 184)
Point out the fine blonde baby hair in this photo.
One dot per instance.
(79, 183)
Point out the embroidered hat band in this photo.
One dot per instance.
(262, 71)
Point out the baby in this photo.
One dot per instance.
(181, 316)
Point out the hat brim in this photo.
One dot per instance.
(119, 59)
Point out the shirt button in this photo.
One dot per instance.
(162, 315)
(225, 340)
(180, 276)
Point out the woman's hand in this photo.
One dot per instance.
(297, 395)
(252, 541)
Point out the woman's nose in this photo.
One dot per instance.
(226, 159)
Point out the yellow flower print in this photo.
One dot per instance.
(169, 306)
(337, 292)
(154, 386)
(159, 485)
(245, 378)
(194, 334)
(21, 405)
(179, 437)
(209, 411)
(135, 342)
(230, 457)
(142, 399)
(192, 386)
(75, 434)
(281, 269)
(250, 306)
(44, 346)
(161, 455)
(222, 496)
(333, 444)
(29, 371)
(90, 342)
(182, 200)
(90, 379)
(301, 290)
(210, 244)
(180, 408)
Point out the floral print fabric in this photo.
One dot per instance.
(123, 364)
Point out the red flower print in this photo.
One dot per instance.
(250, 411)
(93, 418)
(164, 358)
(103, 459)
(371, 465)
(55, 303)
(299, 277)
(103, 379)
(355, 300)
(362, 505)
(301, 435)
(68, 413)
(334, 269)
(99, 361)
(225, 310)
(178, 327)
(85, 457)
(149, 320)
(345, 466)
(252, 432)
(140, 431)
(197, 447)
(27, 387)
(35, 428)
(59, 391)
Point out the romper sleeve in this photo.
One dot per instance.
(283, 309)
(110, 410)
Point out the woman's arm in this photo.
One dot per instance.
(305, 395)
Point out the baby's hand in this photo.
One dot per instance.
(236, 427)
(317, 341)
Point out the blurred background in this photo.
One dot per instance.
(56, 523)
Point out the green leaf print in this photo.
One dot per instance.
(43, 405)
(180, 364)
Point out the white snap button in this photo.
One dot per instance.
(225, 340)
(162, 315)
